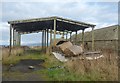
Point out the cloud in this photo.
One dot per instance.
(4, 36)
(4, 42)
(31, 38)
(60, 1)
(99, 13)
(74, 10)
(4, 26)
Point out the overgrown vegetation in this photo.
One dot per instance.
(28, 54)
(73, 70)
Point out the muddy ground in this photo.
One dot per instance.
(22, 72)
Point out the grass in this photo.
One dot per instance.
(64, 75)
(77, 70)
(29, 54)
(13, 74)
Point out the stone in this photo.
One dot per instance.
(31, 67)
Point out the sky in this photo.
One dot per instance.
(101, 14)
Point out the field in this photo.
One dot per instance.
(102, 69)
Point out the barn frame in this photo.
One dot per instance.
(53, 25)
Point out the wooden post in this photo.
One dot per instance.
(76, 38)
(10, 40)
(70, 35)
(19, 39)
(66, 36)
(63, 35)
(13, 37)
(92, 38)
(42, 38)
(47, 37)
(50, 37)
(50, 49)
(83, 38)
(54, 31)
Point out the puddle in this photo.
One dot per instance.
(23, 66)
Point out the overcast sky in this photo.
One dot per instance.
(99, 13)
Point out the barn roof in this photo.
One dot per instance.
(37, 24)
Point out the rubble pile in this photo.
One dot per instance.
(65, 49)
